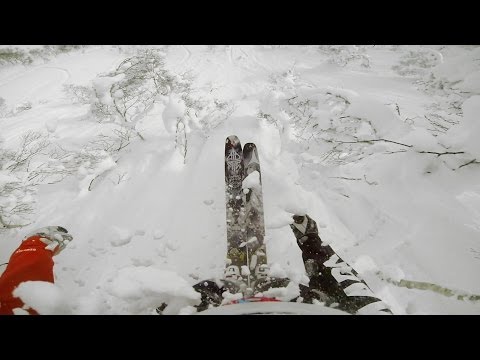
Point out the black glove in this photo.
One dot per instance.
(304, 227)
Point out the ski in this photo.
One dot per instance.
(254, 218)
(236, 264)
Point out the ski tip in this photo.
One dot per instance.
(232, 139)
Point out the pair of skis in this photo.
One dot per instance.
(332, 281)
(246, 264)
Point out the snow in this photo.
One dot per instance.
(121, 236)
(245, 270)
(88, 175)
(421, 138)
(6, 178)
(472, 82)
(51, 125)
(459, 67)
(276, 270)
(137, 289)
(19, 311)
(379, 115)
(102, 86)
(148, 220)
(272, 308)
(46, 298)
(173, 111)
(287, 293)
(465, 134)
(471, 124)
(252, 181)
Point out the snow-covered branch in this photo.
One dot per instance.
(370, 141)
(15, 55)
(181, 142)
(20, 173)
(33, 143)
(127, 94)
(474, 161)
(422, 285)
(343, 55)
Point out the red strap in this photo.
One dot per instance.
(253, 299)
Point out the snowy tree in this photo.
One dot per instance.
(346, 127)
(343, 55)
(417, 62)
(127, 94)
(14, 56)
(37, 161)
(16, 190)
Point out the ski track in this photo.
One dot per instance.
(230, 54)
(182, 63)
(201, 198)
(65, 71)
(188, 56)
(29, 72)
(246, 62)
(40, 82)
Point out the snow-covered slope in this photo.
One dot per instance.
(350, 135)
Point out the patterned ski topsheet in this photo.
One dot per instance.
(254, 223)
(235, 203)
(246, 253)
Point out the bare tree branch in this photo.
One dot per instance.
(371, 141)
(344, 178)
(31, 145)
(91, 182)
(474, 161)
(440, 154)
(369, 182)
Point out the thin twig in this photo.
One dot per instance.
(91, 182)
(444, 153)
(474, 161)
(421, 285)
(344, 178)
